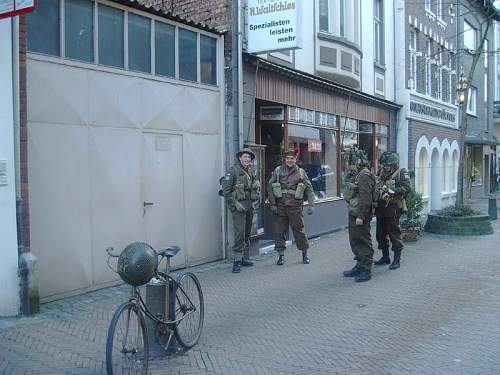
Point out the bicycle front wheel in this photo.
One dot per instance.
(189, 310)
(127, 350)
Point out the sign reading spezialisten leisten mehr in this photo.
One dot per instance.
(273, 25)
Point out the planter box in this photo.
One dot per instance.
(410, 234)
(459, 226)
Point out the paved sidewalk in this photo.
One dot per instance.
(438, 314)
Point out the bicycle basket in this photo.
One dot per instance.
(137, 263)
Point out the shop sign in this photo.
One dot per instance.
(272, 113)
(426, 110)
(11, 8)
(273, 25)
(313, 145)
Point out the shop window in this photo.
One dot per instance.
(187, 55)
(43, 28)
(164, 49)
(79, 30)
(111, 42)
(208, 60)
(348, 140)
(476, 172)
(139, 43)
(317, 155)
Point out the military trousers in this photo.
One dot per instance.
(360, 240)
(388, 229)
(242, 228)
(289, 216)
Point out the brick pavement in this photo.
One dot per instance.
(436, 315)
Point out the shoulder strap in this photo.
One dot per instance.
(302, 174)
(393, 176)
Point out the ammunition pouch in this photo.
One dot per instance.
(299, 191)
(239, 192)
(255, 192)
(276, 188)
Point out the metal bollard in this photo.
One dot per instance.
(492, 208)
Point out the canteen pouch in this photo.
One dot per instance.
(239, 190)
(299, 191)
(255, 192)
(276, 187)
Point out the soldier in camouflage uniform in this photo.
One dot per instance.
(241, 189)
(359, 198)
(393, 185)
(288, 187)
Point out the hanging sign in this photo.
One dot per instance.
(273, 25)
(313, 145)
(11, 8)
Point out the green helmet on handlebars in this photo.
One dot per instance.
(137, 263)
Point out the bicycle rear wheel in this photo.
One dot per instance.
(189, 310)
(127, 350)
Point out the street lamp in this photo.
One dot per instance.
(461, 86)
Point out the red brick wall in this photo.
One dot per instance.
(23, 104)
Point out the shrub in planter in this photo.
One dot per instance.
(459, 221)
(411, 225)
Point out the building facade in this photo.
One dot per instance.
(125, 132)
(334, 93)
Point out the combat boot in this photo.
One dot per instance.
(305, 258)
(386, 259)
(364, 275)
(246, 263)
(236, 267)
(281, 260)
(395, 263)
(352, 272)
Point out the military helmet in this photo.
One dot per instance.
(245, 150)
(137, 263)
(355, 156)
(290, 152)
(389, 157)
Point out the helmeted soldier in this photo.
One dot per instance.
(359, 197)
(288, 187)
(393, 185)
(241, 189)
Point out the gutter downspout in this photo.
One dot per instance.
(240, 78)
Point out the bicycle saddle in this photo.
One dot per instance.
(170, 251)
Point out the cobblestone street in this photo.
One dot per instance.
(438, 314)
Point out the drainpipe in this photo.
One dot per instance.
(240, 78)
(23, 270)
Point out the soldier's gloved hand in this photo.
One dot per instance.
(239, 207)
(274, 209)
(310, 209)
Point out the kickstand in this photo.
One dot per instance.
(169, 339)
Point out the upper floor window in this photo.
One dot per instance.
(413, 59)
(471, 103)
(343, 18)
(378, 31)
(92, 32)
(469, 36)
(428, 5)
(439, 9)
(485, 53)
(323, 15)
(428, 68)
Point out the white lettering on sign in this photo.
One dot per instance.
(273, 25)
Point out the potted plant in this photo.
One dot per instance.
(411, 225)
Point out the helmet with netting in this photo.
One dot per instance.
(137, 263)
(389, 158)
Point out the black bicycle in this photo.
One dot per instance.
(127, 348)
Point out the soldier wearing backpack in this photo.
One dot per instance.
(359, 197)
(393, 186)
(288, 187)
(241, 189)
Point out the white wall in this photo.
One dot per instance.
(9, 295)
